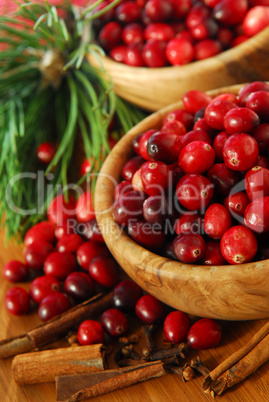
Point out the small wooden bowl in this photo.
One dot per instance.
(230, 292)
(155, 88)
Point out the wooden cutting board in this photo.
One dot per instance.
(168, 388)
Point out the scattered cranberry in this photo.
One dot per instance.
(149, 309)
(60, 265)
(69, 243)
(36, 253)
(114, 322)
(52, 305)
(89, 250)
(125, 295)
(204, 334)
(90, 332)
(41, 231)
(15, 271)
(91, 231)
(84, 207)
(45, 152)
(42, 287)
(238, 245)
(79, 285)
(105, 271)
(17, 301)
(176, 326)
(61, 209)
(66, 229)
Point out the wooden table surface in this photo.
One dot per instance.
(168, 388)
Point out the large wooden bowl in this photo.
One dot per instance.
(231, 292)
(155, 88)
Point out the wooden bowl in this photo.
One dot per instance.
(230, 292)
(155, 88)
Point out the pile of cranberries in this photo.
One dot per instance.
(198, 189)
(157, 33)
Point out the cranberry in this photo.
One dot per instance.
(42, 287)
(217, 221)
(159, 31)
(67, 228)
(90, 332)
(104, 18)
(129, 206)
(197, 14)
(137, 181)
(89, 250)
(248, 89)
(79, 285)
(189, 247)
(257, 215)
(52, 305)
(174, 127)
(158, 10)
(257, 183)
(225, 37)
(155, 209)
(240, 152)
(205, 29)
(261, 135)
(143, 142)
(228, 98)
(201, 125)
(164, 147)
(125, 295)
(114, 322)
(176, 326)
(128, 12)
(122, 188)
(256, 19)
(238, 40)
(86, 167)
(263, 161)
(131, 167)
(180, 115)
(133, 56)
(118, 53)
(196, 135)
(110, 35)
(69, 243)
(213, 254)
(135, 144)
(179, 51)
(189, 222)
(91, 231)
(195, 100)
(259, 102)
(238, 245)
(207, 48)
(60, 265)
(15, 271)
(84, 207)
(242, 120)
(149, 309)
(196, 157)
(215, 112)
(45, 152)
(105, 271)
(155, 177)
(17, 301)
(218, 143)
(41, 231)
(181, 8)
(61, 209)
(147, 235)
(153, 53)
(230, 12)
(236, 203)
(133, 33)
(194, 191)
(223, 178)
(204, 334)
(36, 253)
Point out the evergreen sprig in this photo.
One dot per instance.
(49, 92)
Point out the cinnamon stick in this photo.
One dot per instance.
(44, 366)
(124, 378)
(54, 328)
(240, 364)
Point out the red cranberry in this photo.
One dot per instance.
(118, 53)
(90, 332)
(15, 271)
(174, 127)
(228, 98)
(256, 19)
(223, 178)
(131, 166)
(164, 147)
(17, 301)
(143, 142)
(180, 115)
(91, 231)
(179, 51)
(242, 120)
(155, 177)
(259, 102)
(257, 183)
(189, 222)
(197, 14)
(104, 18)
(133, 55)
(215, 112)
(207, 48)
(60, 209)
(158, 10)
(240, 152)
(36, 253)
(248, 89)
(194, 191)
(189, 247)
(125, 295)
(69, 227)
(176, 326)
(110, 35)
(147, 235)
(196, 135)
(205, 29)
(195, 100)
(155, 209)
(204, 334)
(257, 215)
(60, 265)
(181, 8)
(69, 243)
(261, 135)
(217, 221)
(218, 144)
(238, 40)
(122, 188)
(196, 157)
(133, 33)
(154, 54)
(129, 206)
(230, 12)
(86, 167)
(105, 271)
(137, 181)
(201, 125)
(213, 254)
(41, 231)
(238, 245)
(79, 285)
(114, 322)
(45, 152)
(42, 287)
(149, 309)
(225, 37)
(236, 203)
(84, 207)
(52, 305)
(89, 250)
(128, 12)
(159, 31)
